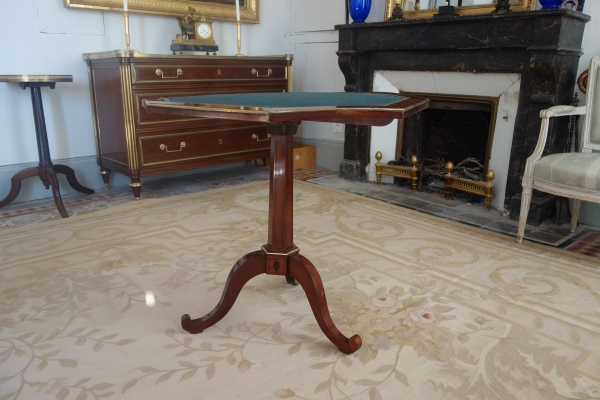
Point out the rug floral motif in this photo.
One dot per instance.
(444, 311)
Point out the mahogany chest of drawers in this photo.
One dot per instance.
(135, 143)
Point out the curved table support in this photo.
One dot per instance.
(69, 173)
(306, 274)
(246, 268)
(282, 114)
(299, 269)
(279, 256)
(15, 184)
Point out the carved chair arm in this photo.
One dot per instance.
(545, 115)
(562, 111)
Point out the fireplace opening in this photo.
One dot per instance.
(458, 129)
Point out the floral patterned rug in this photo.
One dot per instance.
(444, 311)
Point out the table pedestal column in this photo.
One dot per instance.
(279, 256)
(45, 170)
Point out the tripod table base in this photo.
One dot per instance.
(300, 269)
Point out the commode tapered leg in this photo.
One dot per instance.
(105, 174)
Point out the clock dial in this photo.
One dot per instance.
(204, 31)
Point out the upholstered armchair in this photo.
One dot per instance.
(572, 175)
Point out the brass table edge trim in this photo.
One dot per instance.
(272, 111)
(289, 253)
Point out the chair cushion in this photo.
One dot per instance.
(578, 170)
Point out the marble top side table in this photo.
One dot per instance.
(45, 170)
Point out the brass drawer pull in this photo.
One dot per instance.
(161, 73)
(165, 148)
(255, 72)
(255, 136)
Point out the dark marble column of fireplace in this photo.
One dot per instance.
(543, 46)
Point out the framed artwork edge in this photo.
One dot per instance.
(467, 10)
(249, 13)
(564, 4)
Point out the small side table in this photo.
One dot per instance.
(45, 170)
(282, 113)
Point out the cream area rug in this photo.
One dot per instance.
(444, 311)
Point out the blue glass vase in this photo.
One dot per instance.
(551, 4)
(359, 10)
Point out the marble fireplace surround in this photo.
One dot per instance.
(504, 86)
(541, 48)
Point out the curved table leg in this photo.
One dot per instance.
(15, 184)
(53, 179)
(247, 267)
(306, 274)
(71, 178)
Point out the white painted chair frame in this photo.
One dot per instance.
(589, 144)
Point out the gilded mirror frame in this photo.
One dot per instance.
(515, 5)
(214, 10)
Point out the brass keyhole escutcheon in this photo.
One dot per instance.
(220, 141)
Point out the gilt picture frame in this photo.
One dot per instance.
(214, 10)
(515, 5)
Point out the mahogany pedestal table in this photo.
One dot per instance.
(45, 170)
(282, 114)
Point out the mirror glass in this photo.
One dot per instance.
(409, 5)
(426, 8)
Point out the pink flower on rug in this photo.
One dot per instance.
(383, 300)
(421, 318)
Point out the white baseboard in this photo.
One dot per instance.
(85, 168)
(329, 155)
(87, 173)
(590, 214)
